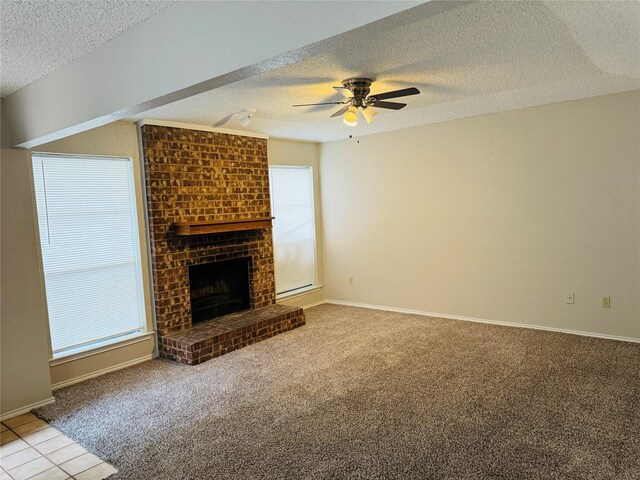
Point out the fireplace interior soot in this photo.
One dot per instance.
(219, 288)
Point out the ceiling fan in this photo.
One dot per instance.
(247, 116)
(356, 91)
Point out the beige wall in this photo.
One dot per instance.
(24, 339)
(493, 217)
(115, 139)
(288, 152)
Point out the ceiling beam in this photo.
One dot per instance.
(186, 49)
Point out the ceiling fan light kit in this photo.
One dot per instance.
(356, 91)
(247, 116)
(245, 119)
(350, 117)
(368, 114)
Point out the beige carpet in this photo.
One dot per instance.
(365, 394)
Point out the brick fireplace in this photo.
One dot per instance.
(199, 182)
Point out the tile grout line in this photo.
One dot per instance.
(42, 455)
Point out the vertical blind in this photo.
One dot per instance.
(293, 228)
(90, 250)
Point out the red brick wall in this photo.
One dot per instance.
(194, 176)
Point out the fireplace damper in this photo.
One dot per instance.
(219, 288)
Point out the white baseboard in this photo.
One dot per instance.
(482, 320)
(315, 304)
(97, 373)
(26, 409)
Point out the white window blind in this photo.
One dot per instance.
(294, 241)
(90, 250)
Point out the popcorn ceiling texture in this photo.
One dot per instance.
(368, 394)
(477, 58)
(39, 37)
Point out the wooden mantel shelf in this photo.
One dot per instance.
(222, 226)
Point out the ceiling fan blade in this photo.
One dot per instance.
(389, 105)
(344, 91)
(369, 113)
(313, 104)
(340, 112)
(224, 120)
(405, 92)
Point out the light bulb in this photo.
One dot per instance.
(369, 113)
(244, 121)
(351, 116)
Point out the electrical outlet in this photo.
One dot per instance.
(350, 280)
(606, 302)
(570, 298)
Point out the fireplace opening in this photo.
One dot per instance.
(219, 288)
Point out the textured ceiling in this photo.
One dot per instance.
(38, 37)
(478, 58)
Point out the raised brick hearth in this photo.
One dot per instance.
(199, 176)
(223, 335)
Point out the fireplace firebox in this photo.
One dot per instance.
(219, 288)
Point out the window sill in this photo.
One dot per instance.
(95, 349)
(299, 293)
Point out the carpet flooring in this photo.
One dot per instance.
(366, 394)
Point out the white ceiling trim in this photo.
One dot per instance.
(202, 128)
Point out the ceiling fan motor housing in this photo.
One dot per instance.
(360, 87)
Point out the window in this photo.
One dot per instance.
(90, 250)
(294, 235)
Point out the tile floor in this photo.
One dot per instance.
(31, 449)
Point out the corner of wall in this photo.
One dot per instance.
(24, 350)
